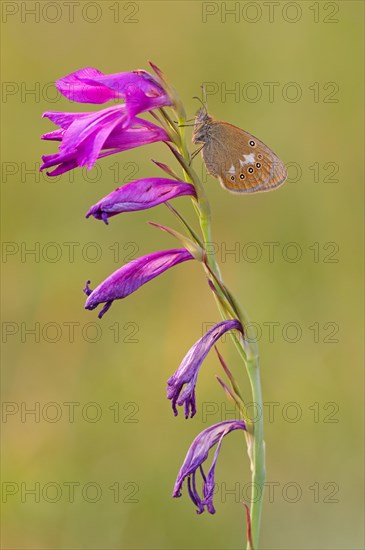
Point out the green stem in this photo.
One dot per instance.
(257, 452)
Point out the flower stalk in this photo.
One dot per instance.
(247, 348)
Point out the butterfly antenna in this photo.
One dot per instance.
(205, 97)
(200, 101)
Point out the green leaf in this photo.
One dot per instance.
(193, 248)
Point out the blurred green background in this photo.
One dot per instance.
(121, 447)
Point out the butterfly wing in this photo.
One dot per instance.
(241, 162)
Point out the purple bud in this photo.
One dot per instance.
(139, 195)
(131, 276)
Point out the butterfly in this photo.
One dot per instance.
(240, 161)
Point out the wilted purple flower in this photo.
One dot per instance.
(131, 276)
(187, 373)
(139, 195)
(86, 137)
(197, 454)
(140, 90)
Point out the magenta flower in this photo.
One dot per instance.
(86, 137)
(187, 373)
(131, 276)
(139, 195)
(197, 454)
(140, 90)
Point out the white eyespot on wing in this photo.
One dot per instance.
(232, 170)
(249, 159)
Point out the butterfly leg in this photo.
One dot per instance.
(195, 154)
(184, 125)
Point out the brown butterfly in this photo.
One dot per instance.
(241, 162)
